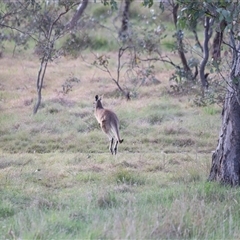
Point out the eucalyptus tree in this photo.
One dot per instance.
(222, 17)
(55, 28)
(226, 158)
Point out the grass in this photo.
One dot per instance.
(114, 198)
(59, 181)
(90, 200)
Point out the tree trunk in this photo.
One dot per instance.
(123, 32)
(226, 159)
(180, 45)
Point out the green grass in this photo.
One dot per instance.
(58, 179)
(123, 199)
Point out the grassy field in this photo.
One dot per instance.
(59, 181)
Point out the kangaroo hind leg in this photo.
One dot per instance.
(111, 146)
(115, 147)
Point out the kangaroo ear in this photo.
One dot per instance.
(96, 97)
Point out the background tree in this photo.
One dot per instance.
(185, 15)
(55, 30)
(44, 24)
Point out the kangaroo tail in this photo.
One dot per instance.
(121, 140)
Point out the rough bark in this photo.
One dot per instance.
(217, 42)
(226, 159)
(123, 32)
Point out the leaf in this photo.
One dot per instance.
(224, 14)
(147, 3)
(161, 6)
(227, 15)
(105, 2)
(181, 23)
(113, 4)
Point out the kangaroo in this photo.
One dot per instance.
(109, 123)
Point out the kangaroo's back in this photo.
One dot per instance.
(109, 123)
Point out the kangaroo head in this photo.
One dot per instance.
(96, 98)
(98, 102)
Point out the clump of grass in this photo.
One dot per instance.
(107, 200)
(87, 177)
(155, 119)
(6, 211)
(175, 130)
(189, 175)
(44, 204)
(158, 167)
(183, 142)
(211, 110)
(214, 193)
(156, 114)
(124, 176)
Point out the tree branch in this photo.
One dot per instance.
(81, 7)
(207, 36)
(217, 41)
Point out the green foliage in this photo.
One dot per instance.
(76, 43)
(225, 14)
(134, 13)
(99, 43)
(111, 3)
(169, 45)
(147, 3)
(101, 12)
